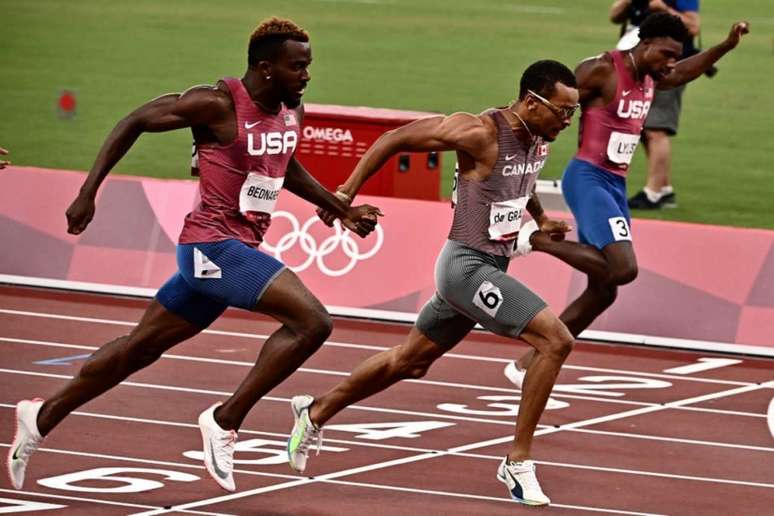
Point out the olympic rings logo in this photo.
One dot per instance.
(341, 238)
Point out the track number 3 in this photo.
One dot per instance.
(620, 228)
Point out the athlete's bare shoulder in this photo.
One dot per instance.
(471, 132)
(592, 75)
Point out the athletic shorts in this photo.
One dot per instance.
(664, 114)
(472, 287)
(597, 199)
(213, 276)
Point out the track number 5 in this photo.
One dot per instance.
(620, 228)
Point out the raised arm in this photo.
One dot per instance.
(459, 132)
(692, 67)
(199, 106)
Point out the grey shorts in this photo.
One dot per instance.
(473, 287)
(664, 112)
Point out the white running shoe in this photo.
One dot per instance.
(26, 440)
(303, 434)
(522, 482)
(515, 374)
(523, 247)
(218, 449)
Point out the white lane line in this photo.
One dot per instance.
(648, 408)
(99, 501)
(703, 364)
(270, 398)
(295, 478)
(558, 395)
(413, 448)
(374, 348)
(467, 447)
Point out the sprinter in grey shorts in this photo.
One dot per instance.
(500, 154)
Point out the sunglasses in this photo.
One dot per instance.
(561, 112)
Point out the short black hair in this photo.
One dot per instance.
(267, 39)
(663, 25)
(542, 76)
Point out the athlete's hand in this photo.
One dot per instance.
(556, 229)
(738, 30)
(361, 219)
(328, 217)
(79, 214)
(3, 163)
(657, 5)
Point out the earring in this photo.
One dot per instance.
(268, 77)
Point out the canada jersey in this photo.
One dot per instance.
(240, 182)
(488, 213)
(608, 136)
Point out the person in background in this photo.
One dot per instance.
(663, 119)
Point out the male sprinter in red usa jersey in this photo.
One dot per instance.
(616, 89)
(246, 131)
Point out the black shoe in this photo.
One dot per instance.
(641, 202)
(668, 200)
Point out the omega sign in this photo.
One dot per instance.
(328, 134)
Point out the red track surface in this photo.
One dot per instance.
(624, 437)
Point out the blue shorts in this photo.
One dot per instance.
(597, 199)
(213, 276)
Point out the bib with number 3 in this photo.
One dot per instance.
(505, 218)
(621, 147)
(259, 193)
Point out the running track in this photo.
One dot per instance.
(629, 430)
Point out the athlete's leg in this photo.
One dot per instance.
(585, 258)
(158, 331)
(598, 296)
(659, 152)
(305, 326)
(552, 343)
(411, 359)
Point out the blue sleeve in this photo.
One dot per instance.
(687, 5)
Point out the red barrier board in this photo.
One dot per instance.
(697, 282)
(334, 138)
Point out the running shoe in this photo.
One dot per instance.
(218, 449)
(303, 434)
(522, 482)
(26, 440)
(515, 374)
(523, 247)
(669, 200)
(640, 201)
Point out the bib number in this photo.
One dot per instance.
(620, 228)
(259, 194)
(621, 147)
(505, 218)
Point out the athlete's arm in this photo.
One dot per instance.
(460, 132)
(592, 75)
(198, 106)
(553, 227)
(360, 219)
(692, 67)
